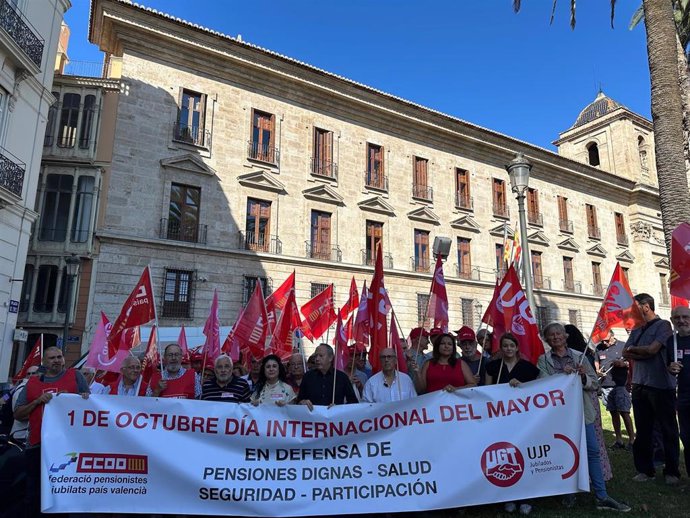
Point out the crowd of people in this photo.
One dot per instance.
(649, 373)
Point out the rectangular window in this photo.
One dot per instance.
(258, 225)
(568, 280)
(592, 224)
(663, 283)
(422, 304)
(62, 295)
(421, 250)
(190, 127)
(463, 198)
(375, 174)
(373, 238)
(262, 145)
(88, 119)
(69, 115)
(563, 222)
(533, 214)
(27, 284)
(537, 272)
(46, 284)
(420, 185)
(183, 213)
(574, 317)
(543, 316)
(597, 288)
(249, 284)
(56, 202)
(621, 237)
(500, 263)
(320, 243)
(467, 306)
(464, 258)
(52, 118)
(81, 219)
(177, 294)
(322, 162)
(500, 205)
(318, 287)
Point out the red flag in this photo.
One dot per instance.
(283, 333)
(494, 318)
(619, 307)
(212, 331)
(348, 328)
(342, 354)
(319, 313)
(678, 301)
(182, 342)
(438, 298)
(512, 313)
(360, 329)
(151, 358)
(138, 309)
(378, 312)
(251, 328)
(680, 261)
(395, 343)
(34, 359)
(352, 301)
(277, 300)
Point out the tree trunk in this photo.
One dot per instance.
(667, 115)
(684, 83)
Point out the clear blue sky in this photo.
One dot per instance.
(474, 59)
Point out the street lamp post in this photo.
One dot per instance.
(518, 170)
(72, 264)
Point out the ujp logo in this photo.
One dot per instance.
(502, 464)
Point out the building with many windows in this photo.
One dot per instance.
(232, 163)
(29, 33)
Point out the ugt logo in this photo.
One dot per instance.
(502, 464)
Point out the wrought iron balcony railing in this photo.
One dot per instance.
(565, 225)
(501, 211)
(594, 232)
(541, 283)
(316, 251)
(11, 172)
(572, 286)
(622, 239)
(326, 168)
(260, 242)
(22, 32)
(263, 153)
(420, 264)
(598, 289)
(464, 202)
(473, 274)
(368, 259)
(535, 218)
(171, 229)
(422, 192)
(194, 135)
(376, 180)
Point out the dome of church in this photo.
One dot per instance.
(598, 108)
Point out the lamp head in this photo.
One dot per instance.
(518, 170)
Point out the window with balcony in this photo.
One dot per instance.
(190, 126)
(69, 115)
(592, 224)
(464, 258)
(374, 235)
(258, 225)
(183, 213)
(500, 202)
(375, 176)
(463, 198)
(421, 250)
(533, 214)
(568, 279)
(83, 207)
(322, 163)
(537, 271)
(420, 185)
(249, 285)
(564, 223)
(262, 144)
(597, 287)
(320, 239)
(46, 286)
(177, 294)
(621, 236)
(56, 203)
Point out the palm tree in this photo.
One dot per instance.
(667, 109)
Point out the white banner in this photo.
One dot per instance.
(443, 450)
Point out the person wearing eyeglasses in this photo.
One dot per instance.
(20, 429)
(387, 384)
(130, 382)
(174, 381)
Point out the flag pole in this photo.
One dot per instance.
(675, 346)
(335, 355)
(498, 379)
(481, 357)
(426, 314)
(396, 379)
(155, 316)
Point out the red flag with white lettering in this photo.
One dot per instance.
(284, 331)
(438, 298)
(513, 314)
(251, 328)
(34, 359)
(138, 309)
(618, 308)
(319, 313)
(379, 305)
(277, 300)
(360, 328)
(352, 301)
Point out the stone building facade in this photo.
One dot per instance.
(233, 163)
(29, 33)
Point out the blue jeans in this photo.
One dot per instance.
(594, 463)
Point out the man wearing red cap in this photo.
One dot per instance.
(470, 355)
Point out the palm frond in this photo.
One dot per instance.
(516, 6)
(553, 12)
(613, 11)
(572, 14)
(637, 17)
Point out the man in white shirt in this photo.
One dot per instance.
(387, 384)
(95, 387)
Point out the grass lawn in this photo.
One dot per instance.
(648, 499)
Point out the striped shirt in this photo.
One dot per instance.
(236, 391)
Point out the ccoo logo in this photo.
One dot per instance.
(502, 464)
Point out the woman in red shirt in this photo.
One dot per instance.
(445, 370)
